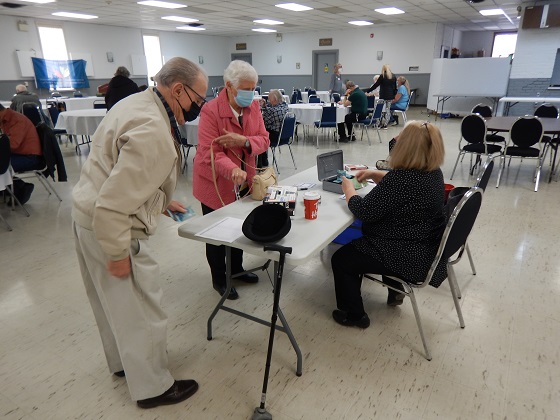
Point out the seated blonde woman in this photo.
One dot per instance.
(403, 220)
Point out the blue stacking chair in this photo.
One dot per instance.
(373, 120)
(286, 138)
(328, 120)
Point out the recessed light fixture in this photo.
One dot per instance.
(294, 7)
(179, 19)
(389, 11)
(164, 4)
(268, 22)
(74, 15)
(39, 1)
(360, 22)
(491, 12)
(267, 30)
(191, 28)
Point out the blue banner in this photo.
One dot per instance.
(57, 74)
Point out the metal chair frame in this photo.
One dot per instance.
(286, 137)
(372, 121)
(328, 120)
(403, 112)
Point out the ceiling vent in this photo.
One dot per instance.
(474, 1)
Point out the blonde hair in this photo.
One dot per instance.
(403, 80)
(420, 146)
(386, 71)
(275, 93)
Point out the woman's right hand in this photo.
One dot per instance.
(364, 175)
(238, 176)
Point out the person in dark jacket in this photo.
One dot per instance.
(387, 83)
(403, 221)
(120, 87)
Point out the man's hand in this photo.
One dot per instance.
(176, 206)
(119, 268)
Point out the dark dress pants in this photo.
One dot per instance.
(349, 119)
(348, 265)
(216, 257)
(22, 163)
(262, 159)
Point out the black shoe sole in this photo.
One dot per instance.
(152, 403)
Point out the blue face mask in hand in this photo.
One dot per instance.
(244, 98)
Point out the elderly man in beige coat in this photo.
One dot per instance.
(126, 183)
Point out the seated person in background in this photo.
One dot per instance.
(401, 99)
(23, 96)
(273, 113)
(374, 92)
(120, 87)
(403, 220)
(24, 140)
(357, 101)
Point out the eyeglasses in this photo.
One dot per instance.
(201, 104)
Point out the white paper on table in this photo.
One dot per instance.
(226, 230)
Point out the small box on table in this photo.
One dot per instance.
(284, 195)
(328, 165)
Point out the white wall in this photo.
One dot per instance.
(13, 40)
(535, 53)
(472, 42)
(402, 46)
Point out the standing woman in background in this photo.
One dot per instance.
(336, 80)
(387, 83)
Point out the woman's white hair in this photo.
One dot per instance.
(275, 93)
(239, 71)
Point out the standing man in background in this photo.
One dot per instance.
(126, 183)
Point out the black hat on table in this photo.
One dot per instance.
(267, 223)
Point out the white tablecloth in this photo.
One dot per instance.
(189, 131)
(323, 95)
(75, 104)
(6, 179)
(309, 113)
(82, 122)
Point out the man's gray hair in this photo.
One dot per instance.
(276, 94)
(239, 71)
(122, 71)
(350, 84)
(21, 88)
(179, 70)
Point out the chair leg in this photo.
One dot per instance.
(293, 160)
(274, 161)
(6, 223)
(454, 287)
(455, 167)
(419, 322)
(502, 164)
(15, 200)
(47, 184)
(470, 258)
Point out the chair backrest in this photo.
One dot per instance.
(546, 111)
(526, 131)
(5, 153)
(99, 105)
(258, 89)
(53, 112)
(306, 89)
(371, 102)
(32, 111)
(288, 129)
(458, 228)
(378, 110)
(484, 174)
(328, 115)
(483, 110)
(314, 99)
(335, 97)
(473, 129)
(311, 92)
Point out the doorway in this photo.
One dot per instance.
(248, 57)
(323, 65)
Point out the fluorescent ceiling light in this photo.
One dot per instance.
(263, 30)
(164, 4)
(74, 15)
(491, 12)
(191, 28)
(180, 19)
(293, 7)
(360, 22)
(389, 11)
(268, 22)
(39, 1)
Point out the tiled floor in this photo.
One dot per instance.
(503, 365)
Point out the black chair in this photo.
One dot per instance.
(313, 99)
(328, 120)
(33, 112)
(525, 133)
(310, 92)
(296, 96)
(286, 138)
(473, 131)
(486, 112)
(54, 112)
(549, 111)
(99, 105)
(335, 97)
(186, 148)
(454, 237)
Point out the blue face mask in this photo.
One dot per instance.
(244, 98)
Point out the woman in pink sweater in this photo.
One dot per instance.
(231, 134)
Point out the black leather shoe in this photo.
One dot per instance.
(342, 318)
(233, 295)
(353, 138)
(343, 140)
(248, 278)
(120, 374)
(395, 299)
(179, 391)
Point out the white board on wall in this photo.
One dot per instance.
(25, 63)
(139, 65)
(87, 58)
(485, 76)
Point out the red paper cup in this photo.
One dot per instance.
(311, 204)
(448, 188)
